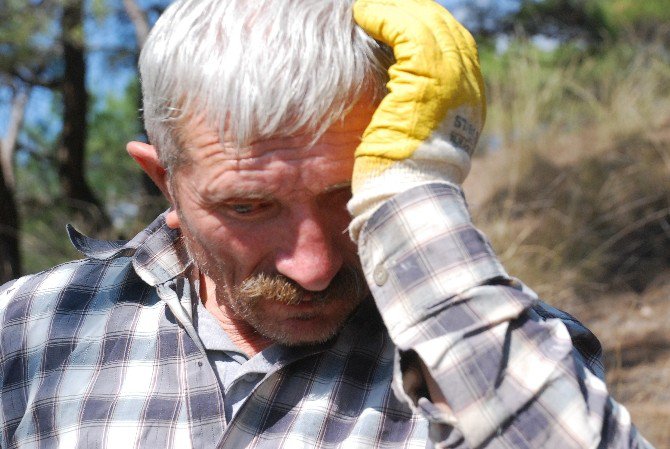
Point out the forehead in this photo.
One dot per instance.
(198, 139)
(216, 168)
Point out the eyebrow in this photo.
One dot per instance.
(233, 195)
(256, 196)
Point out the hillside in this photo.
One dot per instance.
(633, 327)
(573, 188)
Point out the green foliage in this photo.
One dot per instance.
(113, 175)
(114, 121)
(43, 212)
(100, 9)
(564, 19)
(524, 88)
(44, 240)
(28, 38)
(595, 25)
(641, 17)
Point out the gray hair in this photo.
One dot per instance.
(257, 68)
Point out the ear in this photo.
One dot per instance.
(147, 158)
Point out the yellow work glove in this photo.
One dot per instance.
(426, 128)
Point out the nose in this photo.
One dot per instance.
(310, 255)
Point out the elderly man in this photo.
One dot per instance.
(246, 315)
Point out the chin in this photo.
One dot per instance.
(302, 324)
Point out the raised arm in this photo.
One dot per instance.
(493, 366)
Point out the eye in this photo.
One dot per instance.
(248, 209)
(242, 209)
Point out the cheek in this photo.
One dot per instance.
(248, 248)
(235, 252)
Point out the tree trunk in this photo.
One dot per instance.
(71, 152)
(139, 20)
(10, 254)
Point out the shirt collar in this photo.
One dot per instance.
(158, 252)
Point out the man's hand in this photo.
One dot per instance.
(427, 126)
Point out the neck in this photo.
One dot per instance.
(239, 331)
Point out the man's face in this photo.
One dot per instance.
(268, 225)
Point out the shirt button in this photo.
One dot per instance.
(380, 275)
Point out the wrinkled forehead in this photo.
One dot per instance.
(199, 134)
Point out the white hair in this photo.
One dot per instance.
(257, 68)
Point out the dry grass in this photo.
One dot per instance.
(576, 200)
(582, 182)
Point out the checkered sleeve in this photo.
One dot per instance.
(509, 372)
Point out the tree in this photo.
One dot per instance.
(595, 23)
(39, 52)
(647, 20)
(140, 20)
(562, 19)
(26, 63)
(10, 257)
(71, 151)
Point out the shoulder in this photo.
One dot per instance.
(108, 275)
(48, 284)
(54, 301)
(70, 285)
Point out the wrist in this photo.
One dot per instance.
(377, 179)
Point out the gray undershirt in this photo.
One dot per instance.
(238, 375)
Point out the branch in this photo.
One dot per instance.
(19, 101)
(139, 20)
(34, 79)
(36, 153)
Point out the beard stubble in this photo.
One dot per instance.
(249, 299)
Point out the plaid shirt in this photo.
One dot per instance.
(103, 353)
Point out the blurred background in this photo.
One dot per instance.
(571, 180)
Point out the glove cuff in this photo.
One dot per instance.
(376, 178)
(397, 177)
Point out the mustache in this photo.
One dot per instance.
(347, 283)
